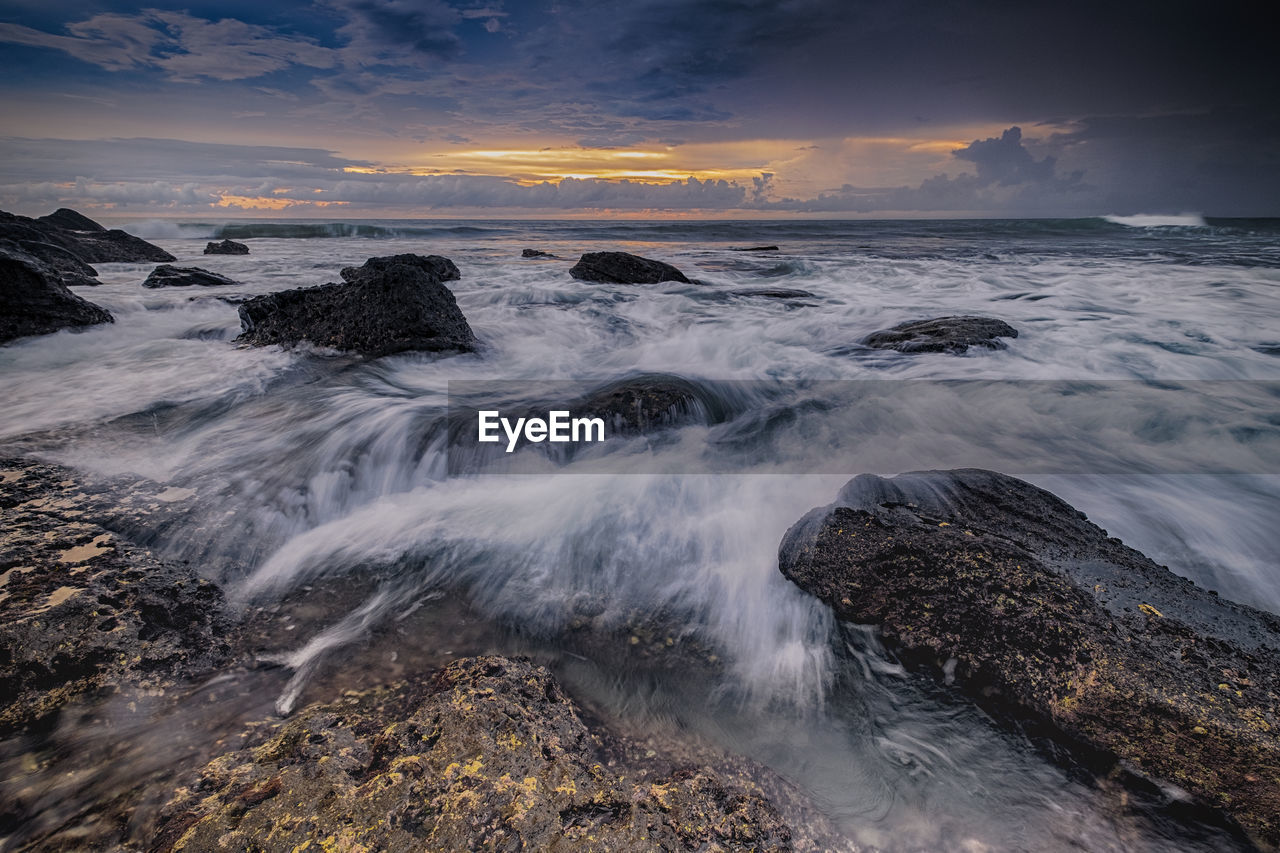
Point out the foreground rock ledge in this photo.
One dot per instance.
(624, 268)
(390, 304)
(34, 300)
(487, 754)
(1043, 616)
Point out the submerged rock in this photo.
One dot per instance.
(166, 275)
(84, 613)
(388, 305)
(226, 247)
(488, 753)
(624, 268)
(943, 334)
(756, 249)
(75, 233)
(535, 253)
(643, 404)
(1039, 614)
(34, 301)
(774, 293)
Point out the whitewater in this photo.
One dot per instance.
(1142, 389)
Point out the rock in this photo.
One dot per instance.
(80, 236)
(643, 404)
(534, 253)
(389, 305)
(34, 301)
(774, 293)
(171, 276)
(70, 220)
(84, 613)
(226, 247)
(943, 334)
(756, 249)
(623, 268)
(439, 268)
(487, 754)
(69, 269)
(1043, 617)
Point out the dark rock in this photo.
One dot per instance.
(83, 613)
(774, 293)
(34, 301)
(643, 404)
(70, 220)
(391, 304)
(171, 276)
(757, 249)
(82, 237)
(487, 754)
(943, 334)
(1045, 618)
(534, 253)
(624, 268)
(69, 269)
(439, 268)
(226, 247)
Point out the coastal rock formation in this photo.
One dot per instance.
(226, 247)
(642, 404)
(166, 275)
(84, 613)
(535, 253)
(755, 249)
(388, 305)
(78, 235)
(488, 753)
(943, 334)
(624, 268)
(1036, 612)
(34, 300)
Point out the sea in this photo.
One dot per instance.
(1143, 388)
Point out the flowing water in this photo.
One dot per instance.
(1142, 389)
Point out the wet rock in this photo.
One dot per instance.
(756, 249)
(642, 404)
(166, 275)
(85, 239)
(83, 613)
(488, 753)
(534, 253)
(1043, 617)
(624, 268)
(388, 305)
(943, 334)
(226, 247)
(774, 293)
(34, 300)
(69, 269)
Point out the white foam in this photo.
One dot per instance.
(1158, 220)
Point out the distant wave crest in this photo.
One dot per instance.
(1159, 220)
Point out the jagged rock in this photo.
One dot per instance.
(487, 754)
(84, 613)
(624, 268)
(34, 301)
(171, 276)
(69, 269)
(226, 247)
(82, 237)
(391, 304)
(436, 266)
(943, 334)
(534, 253)
(1041, 616)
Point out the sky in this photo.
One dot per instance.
(343, 109)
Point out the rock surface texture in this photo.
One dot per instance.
(1039, 614)
(487, 754)
(388, 305)
(226, 247)
(79, 236)
(624, 268)
(34, 300)
(166, 275)
(943, 334)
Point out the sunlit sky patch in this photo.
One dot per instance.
(657, 107)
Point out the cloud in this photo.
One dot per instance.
(415, 33)
(184, 47)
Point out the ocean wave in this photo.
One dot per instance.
(1158, 220)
